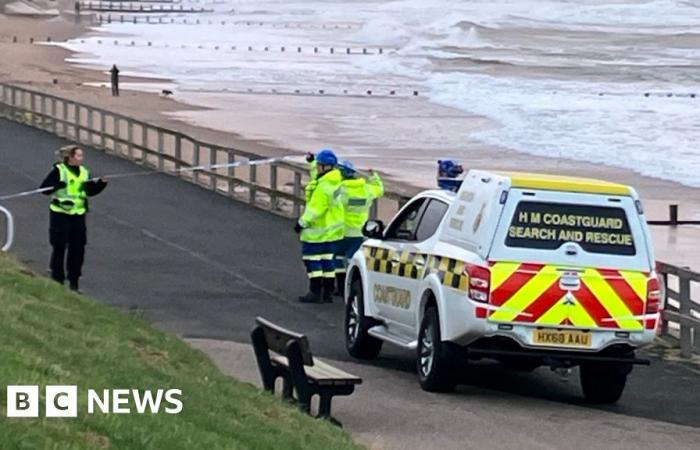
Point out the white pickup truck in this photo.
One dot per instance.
(527, 269)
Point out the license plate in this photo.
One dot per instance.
(562, 338)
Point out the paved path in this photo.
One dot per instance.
(202, 266)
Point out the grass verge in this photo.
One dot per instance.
(50, 336)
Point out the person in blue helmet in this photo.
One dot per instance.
(358, 195)
(448, 171)
(321, 228)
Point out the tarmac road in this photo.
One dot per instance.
(199, 265)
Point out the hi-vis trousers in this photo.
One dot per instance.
(318, 258)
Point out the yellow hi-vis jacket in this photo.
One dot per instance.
(71, 199)
(358, 195)
(313, 180)
(323, 218)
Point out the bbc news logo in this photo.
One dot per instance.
(62, 401)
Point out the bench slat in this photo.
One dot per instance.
(322, 372)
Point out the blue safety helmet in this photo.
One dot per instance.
(449, 168)
(326, 157)
(347, 168)
(448, 171)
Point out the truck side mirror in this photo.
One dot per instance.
(373, 229)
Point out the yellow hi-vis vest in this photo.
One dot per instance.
(323, 218)
(358, 195)
(71, 199)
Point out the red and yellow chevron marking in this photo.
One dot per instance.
(531, 293)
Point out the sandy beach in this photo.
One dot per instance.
(282, 124)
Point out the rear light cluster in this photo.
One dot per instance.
(479, 282)
(654, 295)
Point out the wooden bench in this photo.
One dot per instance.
(282, 353)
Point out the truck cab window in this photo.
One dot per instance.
(432, 217)
(404, 226)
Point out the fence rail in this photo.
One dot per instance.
(681, 315)
(276, 187)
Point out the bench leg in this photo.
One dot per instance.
(267, 372)
(298, 376)
(287, 389)
(304, 402)
(324, 406)
(324, 410)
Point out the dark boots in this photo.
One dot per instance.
(328, 288)
(340, 285)
(320, 291)
(314, 294)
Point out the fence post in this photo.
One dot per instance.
(252, 191)
(53, 116)
(160, 151)
(78, 122)
(178, 154)
(91, 125)
(212, 172)
(296, 208)
(103, 129)
(33, 121)
(144, 144)
(64, 116)
(116, 133)
(195, 162)
(130, 138)
(43, 112)
(231, 173)
(684, 309)
(673, 214)
(273, 187)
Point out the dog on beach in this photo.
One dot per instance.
(166, 92)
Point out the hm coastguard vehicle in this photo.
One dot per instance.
(528, 269)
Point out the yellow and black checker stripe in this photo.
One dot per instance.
(381, 260)
(450, 271)
(377, 259)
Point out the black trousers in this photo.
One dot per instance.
(67, 234)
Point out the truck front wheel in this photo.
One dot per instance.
(435, 359)
(358, 342)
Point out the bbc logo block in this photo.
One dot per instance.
(23, 401)
(62, 401)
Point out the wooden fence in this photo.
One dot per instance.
(276, 187)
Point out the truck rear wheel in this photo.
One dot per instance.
(604, 383)
(435, 359)
(358, 342)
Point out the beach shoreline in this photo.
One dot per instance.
(275, 125)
